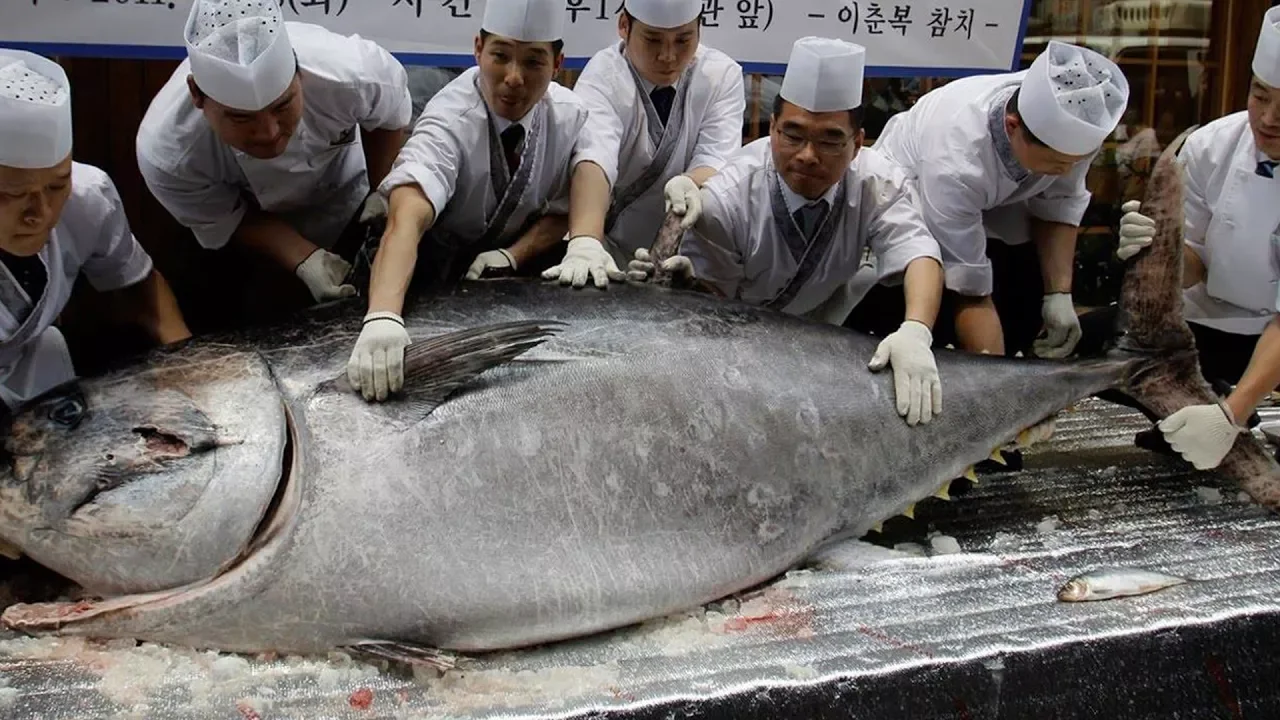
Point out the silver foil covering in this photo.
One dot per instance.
(923, 632)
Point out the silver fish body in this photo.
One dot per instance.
(1110, 583)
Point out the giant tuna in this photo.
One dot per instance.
(561, 463)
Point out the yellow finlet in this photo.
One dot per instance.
(971, 476)
(878, 527)
(910, 511)
(995, 455)
(942, 493)
(10, 551)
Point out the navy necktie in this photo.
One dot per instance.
(511, 139)
(663, 98)
(809, 217)
(1267, 168)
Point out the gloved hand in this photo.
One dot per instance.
(323, 273)
(1062, 325)
(500, 260)
(641, 268)
(376, 367)
(375, 206)
(1136, 230)
(916, 385)
(585, 257)
(684, 198)
(1202, 434)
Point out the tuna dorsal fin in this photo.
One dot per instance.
(435, 367)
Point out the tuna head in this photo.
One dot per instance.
(147, 478)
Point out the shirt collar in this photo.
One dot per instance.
(503, 123)
(1000, 137)
(795, 200)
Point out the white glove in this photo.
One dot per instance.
(500, 259)
(916, 385)
(641, 268)
(1136, 230)
(1062, 325)
(684, 198)
(376, 366)
(322, 272)
(1202, 434)
(375, 206)
(584, 258)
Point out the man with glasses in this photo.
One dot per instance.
(787, 220)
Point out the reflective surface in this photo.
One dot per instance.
(923, 634)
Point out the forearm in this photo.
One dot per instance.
(545, 234)
(922, 285)
(589, 198)
(274, 238)
(154, 308)
(1261, 377)
(380, 150)
(409, 216)
(700, 175)
(1193, 269)
(1056, 247)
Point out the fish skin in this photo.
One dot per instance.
(662, 450)
(1114, 582)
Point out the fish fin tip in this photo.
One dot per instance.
(997, 456)
(971, 475)
(405, 653)
(910, 511)
(944, 492)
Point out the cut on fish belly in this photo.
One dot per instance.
(561, 463)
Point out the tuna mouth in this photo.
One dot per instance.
(271, 532)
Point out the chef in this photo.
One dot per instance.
(271, 134)
(483, 179)
(58, 219)
(666, 110)
(1004, 157)
(1231, 274)
(787, 220)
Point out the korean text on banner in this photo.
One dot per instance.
(902, 37)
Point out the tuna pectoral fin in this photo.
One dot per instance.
(1165, 374)
(414, 655)
(436, 367)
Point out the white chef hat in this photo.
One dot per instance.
(1072, 98)
(240, 51)
(824, 74)
(525, 20)
(665, 13)
(1266, 54)
(35, 111)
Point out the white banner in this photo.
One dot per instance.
(903, 38)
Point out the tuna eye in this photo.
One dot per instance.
(67, 413)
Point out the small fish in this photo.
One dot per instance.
(1108, 583)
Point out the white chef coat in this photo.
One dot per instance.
(1232, 222)
(318, 183)
(92, 236)
(455, 155)
(953, 141)
(705, 127)
(737, 244)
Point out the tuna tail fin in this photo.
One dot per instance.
(1151, 329)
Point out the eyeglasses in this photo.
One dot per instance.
(794, 141)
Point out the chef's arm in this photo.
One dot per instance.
(1193, 269)
(268, 235)
(155, 309)
(700, 175)
(543, 235)
(1056, 246)
(409, 216)
(922, 285)
(381, 147)
(1261, 377)
(589, 197)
